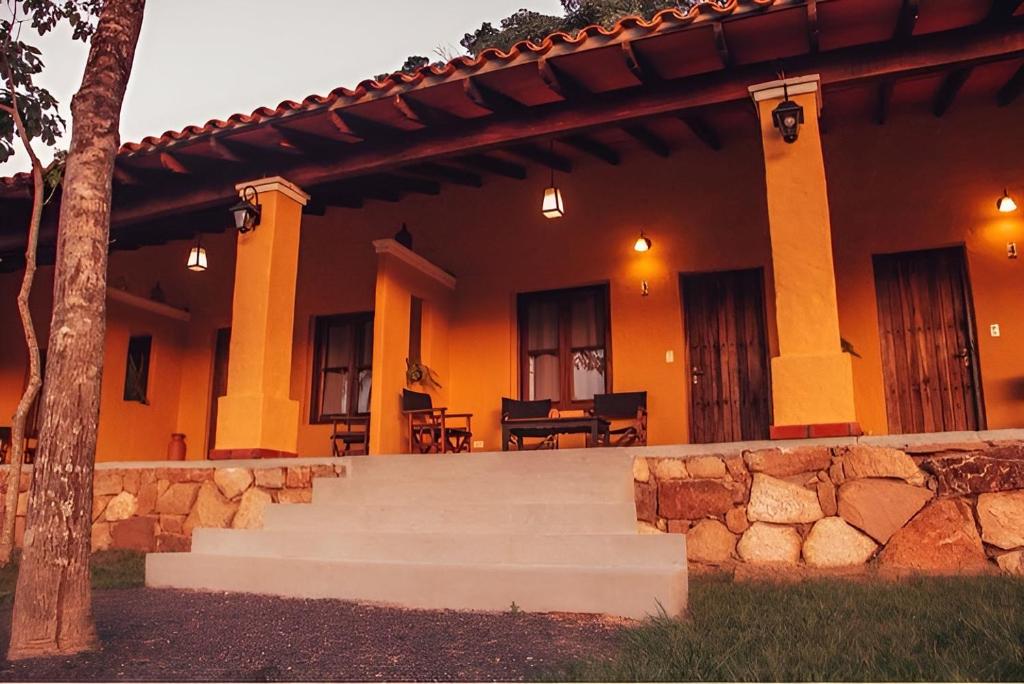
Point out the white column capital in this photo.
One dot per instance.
(796, 85)
(278, 184)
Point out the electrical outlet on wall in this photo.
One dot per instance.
(478, 444)
(994, 330)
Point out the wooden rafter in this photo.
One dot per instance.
(488, 98)
(449, 174)
(703, 130)
(494, 165)
(1012, 89)
(423, 114)
(885, 90)
(366, 128)
(641, 68)
(906, 20)
(595, 148)
(648, 138)
(310, 143)
(559, 82)
(947, 92)
(813, 41)
(722, 44)
(543, 156)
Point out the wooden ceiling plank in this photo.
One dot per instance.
(594, 148)
(1002, 10)
(813, 41)
(1012, 89)
(343, 129)
(640, 67)
(650, 140)
(947, 92)
(450, 174)
(311, 144)
(488, 98)
(559, 82)
(722, 44)
(703, 130)
(365, 128)
(885, 90)
(906, 20)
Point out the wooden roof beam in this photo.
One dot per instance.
(448, 174)
(722, 44)
(594, 148)
(1011, 90)
(650, 140)
(906, 20)
(422, 186)
(365, 128)
(542, 155)
(308, 143)
(640, 67)
(700, 127)
(423, 114)
(812, 26)
(559, 82)
(497, 166)
(885, 90)
(488, 98)
(947, 92)
(344, 131)
(1003, 9)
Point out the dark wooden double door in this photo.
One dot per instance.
(929, 350)
(727, 356)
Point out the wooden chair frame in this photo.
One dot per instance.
(633, 433)
(349, 435)
(431, 430)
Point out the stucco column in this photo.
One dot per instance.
(812, 378)
(257, 418)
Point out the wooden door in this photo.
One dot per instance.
(219, 387)
(727, 356)
(929, 355)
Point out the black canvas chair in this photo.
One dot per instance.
(624, 406)
(350, 435)
(430, 428)
(514, 409)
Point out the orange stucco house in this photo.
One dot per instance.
(857, 279)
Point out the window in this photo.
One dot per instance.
(136, 377)
(343, 358)
(564, 345)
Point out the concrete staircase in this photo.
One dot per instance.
(547, 531)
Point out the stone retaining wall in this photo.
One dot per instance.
(945, 508)
(155, 506)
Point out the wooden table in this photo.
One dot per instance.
(595, 428)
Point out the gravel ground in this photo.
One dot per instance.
(164, 635)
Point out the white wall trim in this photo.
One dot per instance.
(797, 85)
(276, 183)
(148, 305)
(413, 259)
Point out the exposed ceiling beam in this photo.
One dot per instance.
(722, 44)
(365, 128)
(494, 165)
(812, 25)
(173, 164)
(885, 89)
(703, 130)
(1011, 90)
(344, 130)
(450, 174)
(1003, 9)
(906, 20)
(310, 143)
(424, 114)
(542, 155)
(640, 67)
(649, 139)
(595, 148)
(559, 82)
(947, 92)
(839, 69)
(488, 98)
(422, 186)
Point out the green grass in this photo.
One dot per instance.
(110, 570)
(951, 629)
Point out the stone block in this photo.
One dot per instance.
(832, 543)
(298, 477)
(121, 507)
(997, 470)
(107, 483)
(670, 469)
(641, 470)
(176, 543)
(879, 507)
(827, 497)
(101, 538)
(646, 495)
(736, 520)
(781, 462)
(775, 501)
(269, 478)
(709, 541)
(178, 498)
(99, 505)
(1001, 516)
(706, 467)
(232, 481)
(132, 481)
(1012, 563)
(677, 526)
(295, 496)
(250, 509)
(135, 534)
(940, 539)
(861, 461)
(211, 509)
(147, 498)
(766, 543)
(693, 499)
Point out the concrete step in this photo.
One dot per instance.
(628, 591)
(593, 464)
(609, 550)
(463, 518)
(434, 489)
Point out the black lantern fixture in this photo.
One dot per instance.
(247, 212)
(404, 237)
(788, 116)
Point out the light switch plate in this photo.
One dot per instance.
(478, 444)
(994, 329)
(670, 356)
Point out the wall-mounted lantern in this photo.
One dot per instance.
(1005, 204)
(247, 212)
(643, 243)
(552, 207)
(197, 257)
(788, 116)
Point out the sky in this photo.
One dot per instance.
(204, 59)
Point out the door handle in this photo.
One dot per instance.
(696, 374)
(964, 355)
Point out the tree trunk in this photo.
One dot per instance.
(53, 599)
(17, 449)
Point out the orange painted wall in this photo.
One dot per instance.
(916, 182)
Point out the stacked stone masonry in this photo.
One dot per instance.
(156, 508)
(942, 509)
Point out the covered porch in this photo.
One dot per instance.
(785, 291)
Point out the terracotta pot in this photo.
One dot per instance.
(176, 448)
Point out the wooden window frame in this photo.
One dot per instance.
(321, 324)
(146, 341)
(565, 349)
